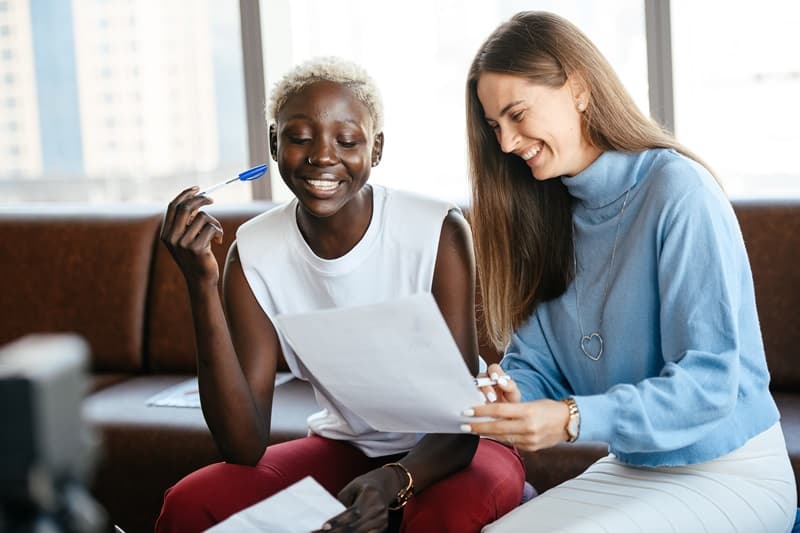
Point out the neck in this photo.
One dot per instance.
(589, 155)
(333, 236)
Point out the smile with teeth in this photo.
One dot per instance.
(530, 153)
(323, 185)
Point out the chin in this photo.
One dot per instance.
(319, 209)
(542, 176)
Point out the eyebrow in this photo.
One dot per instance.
(506, 108)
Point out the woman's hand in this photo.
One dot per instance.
(367, 498)
(187, 233)
(505, 390)
(527, 426)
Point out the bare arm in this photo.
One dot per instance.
(236, 354)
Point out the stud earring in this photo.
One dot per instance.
(308, 160)
(581, 107)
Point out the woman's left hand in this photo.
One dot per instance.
(527, 426)
(367, 498)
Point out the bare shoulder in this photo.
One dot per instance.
(456, 233)
(455, 252)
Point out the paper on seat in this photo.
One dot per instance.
(186, 393)
(395, 364)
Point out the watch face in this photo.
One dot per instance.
(572, 427)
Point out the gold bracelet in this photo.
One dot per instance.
(405, 493)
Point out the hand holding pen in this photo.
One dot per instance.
(497, 385)
(187, 231)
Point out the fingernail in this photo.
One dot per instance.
(502, 380)
(468, 412)
(491, 396)
(495, 376)
(326, 527)
(466, 428)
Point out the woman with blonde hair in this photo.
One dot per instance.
(339, 242)
(615, 276)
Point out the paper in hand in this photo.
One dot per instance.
(394, 364)
(299, 508)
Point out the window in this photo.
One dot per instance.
(735, 92)
(94, 98)
(419, 52)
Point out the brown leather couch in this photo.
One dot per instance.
(101, 272)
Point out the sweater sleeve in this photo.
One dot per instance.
(530, 362)
(701, 264)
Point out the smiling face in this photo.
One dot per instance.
(324, 144)
(540, 124)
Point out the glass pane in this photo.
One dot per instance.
(119, 100)
(736, 89)
(419, 52)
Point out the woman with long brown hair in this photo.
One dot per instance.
(615, 277)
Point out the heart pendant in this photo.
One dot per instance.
(587, 341)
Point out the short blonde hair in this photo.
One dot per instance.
(333, 69)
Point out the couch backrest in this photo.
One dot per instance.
(170, 333)
(78, 269)
(101, 272)
(771, 231)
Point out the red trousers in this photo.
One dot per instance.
(462, 503)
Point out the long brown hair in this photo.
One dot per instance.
(522, 227)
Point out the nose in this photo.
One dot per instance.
(507, 138)
(323, 154)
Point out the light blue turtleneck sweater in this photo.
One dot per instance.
(683, 377)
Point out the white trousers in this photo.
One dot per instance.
(749, 490)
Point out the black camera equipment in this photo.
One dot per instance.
(45, 450)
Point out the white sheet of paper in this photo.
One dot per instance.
(395, 363)
(299, 508)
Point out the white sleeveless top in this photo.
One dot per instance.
(395, 258)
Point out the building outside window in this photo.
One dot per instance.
(121, 100)
(134, 100)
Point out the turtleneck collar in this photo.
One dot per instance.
(605, 180)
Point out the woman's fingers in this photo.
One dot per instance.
(527, 426)
(507, 418)
(508, 391)
(346, 517)
(188, 209)
(494, 371)
(489, 393)
(180, 214)
(210, 231)
(199, 232)
(169, 217)
(504, 410)
(503, 387)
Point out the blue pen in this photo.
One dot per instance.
(248, 175)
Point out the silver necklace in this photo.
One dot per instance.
(587, 340)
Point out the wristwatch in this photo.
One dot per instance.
(574, 423)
